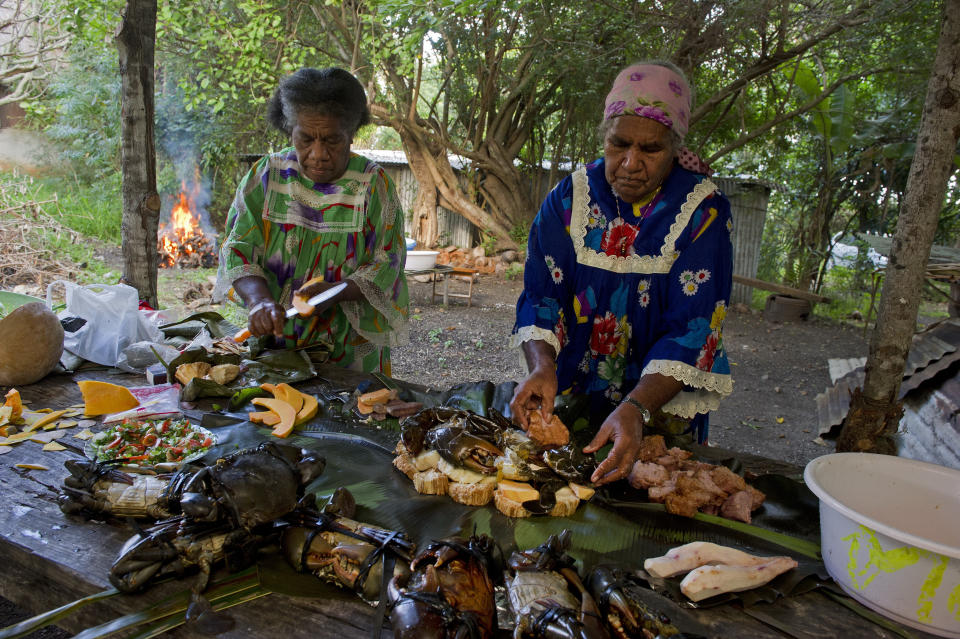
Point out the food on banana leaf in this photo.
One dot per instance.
(186, 372)
(552, 433)
(151, 442)
(223, 374)
(686, 486)
(713, 569)
(695, 554)
(708, 581)
(474, 459)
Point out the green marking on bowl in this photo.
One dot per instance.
(928, 589)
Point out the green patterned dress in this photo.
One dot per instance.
(288, 229)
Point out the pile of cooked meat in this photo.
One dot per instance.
(686, 486)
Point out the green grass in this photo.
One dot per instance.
(94, 210)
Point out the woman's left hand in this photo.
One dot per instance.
(626, 432)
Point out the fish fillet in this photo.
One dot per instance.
(707, 581)
(698, 553)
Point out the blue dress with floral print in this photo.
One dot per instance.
(624, 293)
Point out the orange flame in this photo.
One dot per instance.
(184, 236)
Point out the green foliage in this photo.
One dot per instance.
(93, 210)
(514, 270)
(519, 233)
(434, 335)
(81, 115)
(488, 240)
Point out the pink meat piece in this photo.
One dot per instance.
(651, 448)
(738, 506)
(706, 482)
(727, 480)
(679, 453)
(657, 494)
(667, 461)
(647, 475)
(757, 497)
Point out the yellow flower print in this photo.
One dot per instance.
(690, 288)
(719, 313)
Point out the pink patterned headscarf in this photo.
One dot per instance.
(655, 92)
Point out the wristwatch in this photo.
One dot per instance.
(644, 413)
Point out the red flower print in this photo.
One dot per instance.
(605, 335)
(618, 239)
(705, 361)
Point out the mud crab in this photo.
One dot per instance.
(539, 586)
(339, 550)
(628, 607)
(449, 592)
(226, 511)
(463, 438)
(99, 489)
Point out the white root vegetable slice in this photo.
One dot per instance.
(708, 581)
(695, 554)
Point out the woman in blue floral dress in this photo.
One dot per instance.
(628, 275)
(316, 211)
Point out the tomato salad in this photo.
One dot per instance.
(151, 442)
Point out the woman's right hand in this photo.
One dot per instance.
(266, 318)
(536, 391)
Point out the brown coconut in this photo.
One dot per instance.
(31, 342)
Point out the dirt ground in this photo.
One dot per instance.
(778, 368)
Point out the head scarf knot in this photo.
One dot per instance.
(659, 93)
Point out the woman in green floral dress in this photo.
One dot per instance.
(317, 210)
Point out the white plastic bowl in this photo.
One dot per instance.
(421, 260)
(890, 535)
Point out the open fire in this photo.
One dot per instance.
(182, 243)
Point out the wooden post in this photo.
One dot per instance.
(138, 158)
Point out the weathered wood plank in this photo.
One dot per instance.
(780, 288)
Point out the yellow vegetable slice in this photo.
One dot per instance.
(309, 410)
(290, 395)
(288, 416)
(18, 437)
(32, 466)
(47, 419)
(84, 434)
(266, 417)
(103, 398)
(12, 399)
(53, 446)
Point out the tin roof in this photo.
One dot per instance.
(932, 356)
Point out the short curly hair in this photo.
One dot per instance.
(331, 91)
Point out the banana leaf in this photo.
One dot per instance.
(274, 366)
(27, 626)
(189, 327)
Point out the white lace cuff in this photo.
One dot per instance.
(397, 331)
(709, 388)
(226, 277)
(529, 334)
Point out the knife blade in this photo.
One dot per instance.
(320, 297)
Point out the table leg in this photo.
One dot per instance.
(446, 287)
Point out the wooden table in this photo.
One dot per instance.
(50, 559)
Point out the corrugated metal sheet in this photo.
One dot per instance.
(930, 428)
(748, 203)
(932, 355)
(840, 367)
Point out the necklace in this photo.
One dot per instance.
(641, 208)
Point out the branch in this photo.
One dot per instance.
(803, 108)
(766, 66)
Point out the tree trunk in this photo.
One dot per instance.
(138, 158)
(874, 413)
(425, 228)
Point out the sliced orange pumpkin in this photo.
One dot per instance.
(290, 395)
(103, 398)
(288, 416)
(300, 301)
(14, 402)
(266, 417)
(309, 410)
(270, 388)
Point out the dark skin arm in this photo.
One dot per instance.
(624, 426)
(267, 317)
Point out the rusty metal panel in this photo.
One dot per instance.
(841, 366)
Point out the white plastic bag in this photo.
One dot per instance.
(113, 320)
